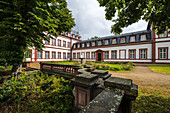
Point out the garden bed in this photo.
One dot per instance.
(102, 65)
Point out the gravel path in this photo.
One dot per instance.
(144, 77)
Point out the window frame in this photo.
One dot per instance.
(106, 41)
(48, 55)
(134, 38)
(63, 43)
(93, 43)
(88, 44)
(73, 55)
(78, 55)
(59, 44)
(92, 55)
(59, 54)
(120, 53)
(115, 54)
(87, 54)
(100, 42)
(105, 54)
(133, 53)
(166, 53)
(65, 55)
(145, 55)
(53, 43)
(52, 55)
(68, 44)
(115, 41)
(141, 37)
(121, 39)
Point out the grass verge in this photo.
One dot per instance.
(160, 68)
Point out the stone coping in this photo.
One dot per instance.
(107, 101)
(119, 83)
(86, 77)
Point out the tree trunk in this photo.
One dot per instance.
(16, 69)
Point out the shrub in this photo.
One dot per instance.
(37, 92)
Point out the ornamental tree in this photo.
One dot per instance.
(22, 23)
(131, 11)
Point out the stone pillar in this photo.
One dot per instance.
(84, 84)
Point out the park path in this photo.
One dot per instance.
(144, 77)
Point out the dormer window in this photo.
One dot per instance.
(88, 44)
(163, 34)
(113, 41)
(143, 37)
(122, 40)
(82, 44)
(106, 42)
(132, 38)
(78, 45)
(93, 43)
(99, 43)
(74, 46)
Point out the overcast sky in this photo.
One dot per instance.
(90, 19)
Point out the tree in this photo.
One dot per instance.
(95, 37)
(22, 23)
(131, 11)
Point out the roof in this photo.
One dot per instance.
(116, 36)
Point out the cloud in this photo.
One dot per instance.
(90, 19)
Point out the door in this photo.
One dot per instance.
(99, 56)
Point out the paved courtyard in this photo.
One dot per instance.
(144, 77)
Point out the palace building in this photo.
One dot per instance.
(138, 47)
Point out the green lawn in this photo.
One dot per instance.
(160, 68)
(151, 101)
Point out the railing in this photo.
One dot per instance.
(59, 68)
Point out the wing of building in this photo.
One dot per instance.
(138, 47)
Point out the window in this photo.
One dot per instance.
(163, 34)
(106, 54)
(106, 42)
(168, 32)
(88, 44)
(113, 41)
(59, 42)
(132, 39)
(163, 53)
(82, 44)
(93, 55)
(47, 54)
(93, 43)
(64, 43)
(53, 55)
(47, 42)
(142, 53)
(39, 54)
(122, 40)
(68, 44)
(99, 43)
(74, 45)
(64, 55)
(143, 37)
(59, 55)
(132, 54)
(78, 55)
(54, 42)
(78, 45)
(68, 55)
(114, 54)
(74, 55)
(87, 55)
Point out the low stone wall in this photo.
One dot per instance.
(97, 92)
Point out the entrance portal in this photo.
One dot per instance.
(99, 57)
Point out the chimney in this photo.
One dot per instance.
(73, 35)
(68, 34)
(79, 37)
(76, 36)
